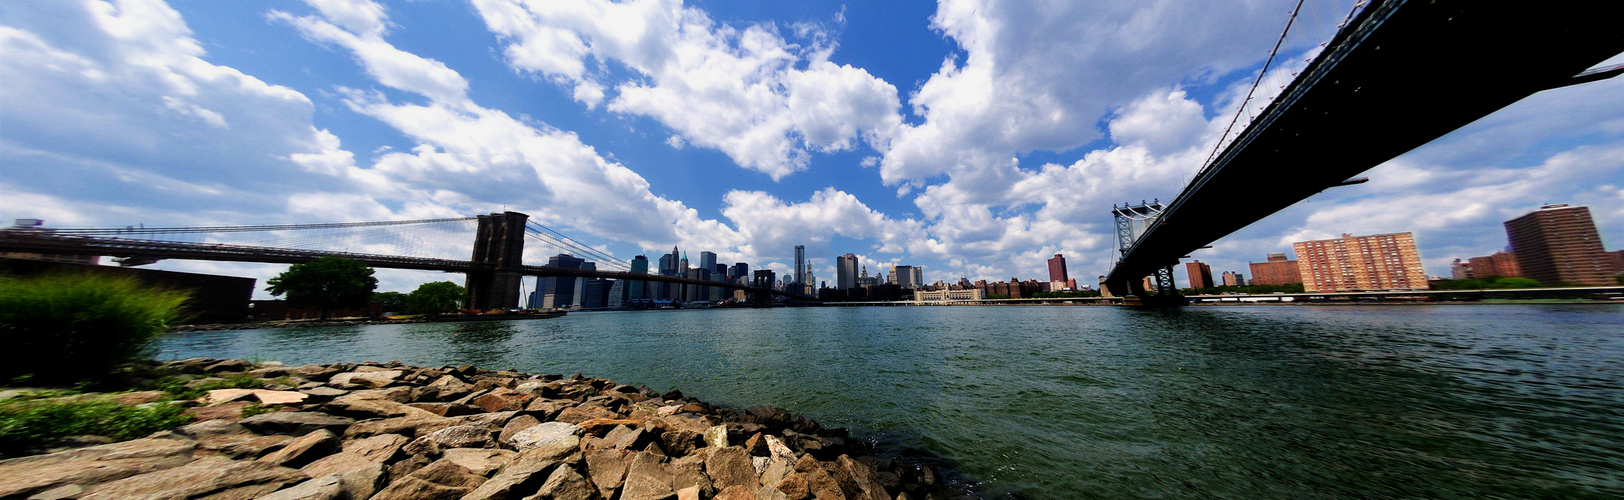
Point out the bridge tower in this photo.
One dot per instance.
(499, 243)
(1131, 222)
(762, 281)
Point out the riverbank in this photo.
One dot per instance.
(391, 431)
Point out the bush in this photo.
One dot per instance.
(71, 327)
(29, 424)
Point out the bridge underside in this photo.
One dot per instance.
(1431, 68)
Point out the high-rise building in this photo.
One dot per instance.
(595, 293)
(1200, 274)
(891, 276)
(707, 260)
(1460, 270)
(637, 289)
(798, 275)
(1277, 270)
(559, 291)
(682, 266)
(1558, 244)
(905, 276)
(1352, 263)
(1057, 268)
(918, 276)
(846, 271)
(739, 270)
(1502, 264)
(1232, 278)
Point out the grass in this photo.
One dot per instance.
(67, 328)
(177, 388)
(29, 424)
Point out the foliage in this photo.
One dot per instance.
(71, 327)
(256, 409)
(435, 298)
(327, 283)
(1487, 282)
(29, 424)
(177, 387)
(390, 301)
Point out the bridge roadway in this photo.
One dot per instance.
(26, 241)
(1403, 74)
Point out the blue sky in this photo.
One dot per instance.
(973, 137)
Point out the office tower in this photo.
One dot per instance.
(559, 291)
(1351, 263)
(1057, 268)
(619, 293)
(707, 260)
(721, 270)
(1558, 244)
(595, 293)
(918, 276)
(1232, 278)
(891, 276)
(636, 289)
(683, 267)
(740, 270)
(1200, 274)
(1502, 264)
(905, 276)
(846, 271)
(797, 274)
(1278, 270)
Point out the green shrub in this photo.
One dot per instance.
(29, 424)
(71, 327)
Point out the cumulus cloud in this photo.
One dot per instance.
(746, 91)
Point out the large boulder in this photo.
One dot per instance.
(357, 454)
(370, 379)
(544, 434)
(308, 448)
(296, 423)
(21, 477)
(199, 478)
(441, 479)
(646, 479)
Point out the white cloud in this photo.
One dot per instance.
(747, 92)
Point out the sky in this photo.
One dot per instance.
(975, 138)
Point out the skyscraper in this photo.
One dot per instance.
(918, 276)
(1502, 264)
(1350, 263)
(707, 260)
(740, 270)
(905, 276)
(1057, 269)
(798, 275)
(846, 271)
(559, 291)
(1200, 274)
(1559, 244)
(636, 289)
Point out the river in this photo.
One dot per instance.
(1467, 401)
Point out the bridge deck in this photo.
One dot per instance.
(1408, 73)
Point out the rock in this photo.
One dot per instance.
(20, 477)
(441, 479)
(479, 460)
(689, 472)
(768, 415)
(795, 486)
(857, 480)
(226, 411)
(608, 469)
(139, 398)
(543, 434)
(515, 425)
(461, 436)
(687, 421)
(412, 426)
(396, 394)
(357, 454)
(323, 392)
(211, 428)
(406, 466)
(729, 466)
(689, 493)
(679, 442)
(757, 445)
(524, 474)
(627, 438)
(202, 477)
(308, 448)
(372, 379)
(66, 492)
(566, 484)
(328, 487)
(317, 373)
(736, 493)
(246, 446)
(716, 436)
(493, 420)
(646, 479)
(770, 492)
(371, 408)
(269, 397)
(503, 399)
(447, 409)
(821, 483)
(230, 365)
(296, 423)
(547, 409)
(585, 412)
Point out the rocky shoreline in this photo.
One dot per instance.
(390, 431)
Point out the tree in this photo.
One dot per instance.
(435, 298)
(69, 327)
(390, 301)
(327, 283)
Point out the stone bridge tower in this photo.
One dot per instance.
(499, 243)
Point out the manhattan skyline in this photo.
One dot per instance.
(974, 139)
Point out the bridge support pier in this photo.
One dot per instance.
(498, 243)
(1162, 293)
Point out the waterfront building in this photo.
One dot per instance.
(1502, 264)
(946, 294)
(905, 277)
(1618, 261)
(797, 275)
(558, 291)
(1276, 270)
(637, 289)
(1200, 275)
(1057, 268)
(891, 275)
(1232, 278)
(846, 271)
(865, 280)
(595, 293)
(1460, 270)
(918, 276)
(1558, 244)
(1356, 263)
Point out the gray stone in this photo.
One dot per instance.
(246, 446)
(20, 477)
(307, 448)
(295, 423)
(543, 434)
(646, 479)
(202, 477)
(524, 474)
(327, 487)
(441, 479)
(357, 454)
(371, 408)
(566, 484)
(371, 379)
(716, 436)
(515, 425)
(461, 436)
(480, 461)
(729, 466)
(211, 428)
(608, 469)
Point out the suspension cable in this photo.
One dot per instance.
(243, 229)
